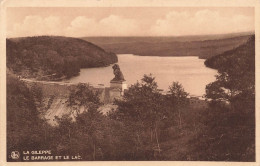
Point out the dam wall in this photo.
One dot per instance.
(62, 90)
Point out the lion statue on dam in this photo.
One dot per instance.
(118, 74)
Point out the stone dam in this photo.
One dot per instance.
(55, 95)
(62, 89)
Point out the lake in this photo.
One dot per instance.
(189, 71)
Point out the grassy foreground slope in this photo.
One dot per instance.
(58, 57)
(202, 46)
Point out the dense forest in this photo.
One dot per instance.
(52, 57)
(233, 56)
(147, 125)
(201, 46)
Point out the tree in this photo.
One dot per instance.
(90, 123)
(82, 97)
(235, 82)
(142, 107)
(178, 99)
(232, 86)
(87, 128)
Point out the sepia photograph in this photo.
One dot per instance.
(124, 83)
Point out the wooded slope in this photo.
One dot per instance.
(41, 56)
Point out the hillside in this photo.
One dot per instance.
(235, 56)
(52, 57)
(24, 127)
(202, 46)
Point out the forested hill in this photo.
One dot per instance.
(243, 55)
(53, 57)
(201, 46)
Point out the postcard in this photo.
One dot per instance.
(129, 82)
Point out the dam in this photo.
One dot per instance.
(62, 90)
(55, 96)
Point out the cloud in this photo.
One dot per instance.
(110, 26)
(37, 25)
(202, 22)
(121, 26)
(174, 23)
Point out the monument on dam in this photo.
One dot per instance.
(118, 83)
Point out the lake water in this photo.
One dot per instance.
(189, 71)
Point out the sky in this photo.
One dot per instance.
(128, 21)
